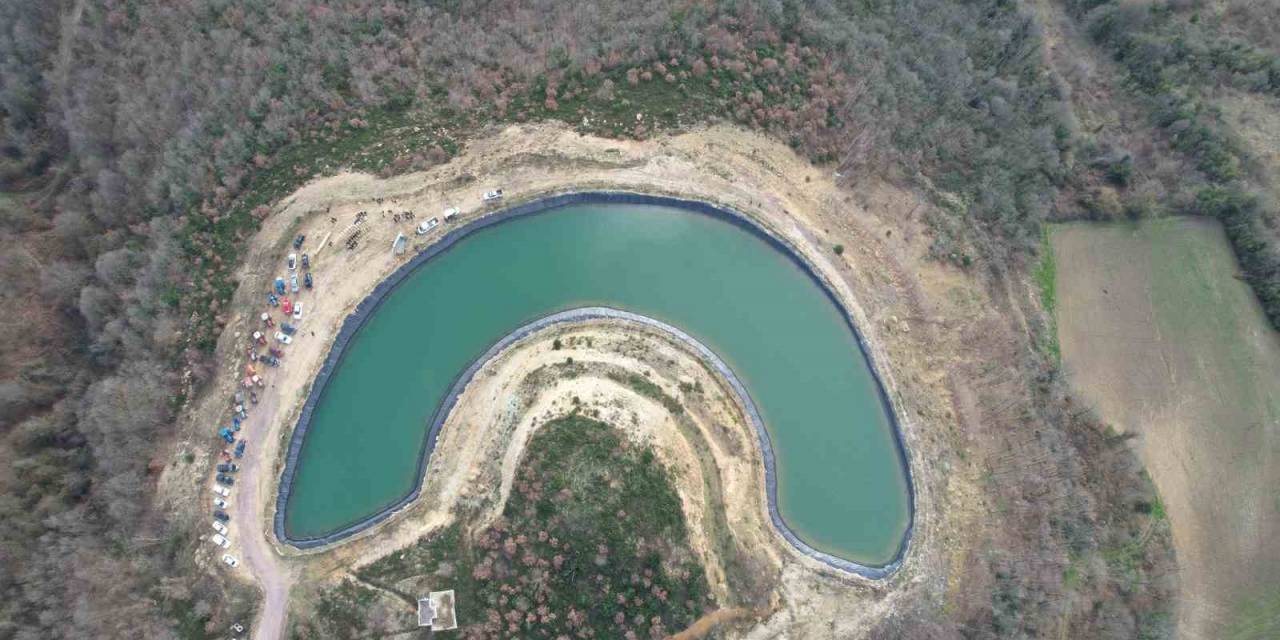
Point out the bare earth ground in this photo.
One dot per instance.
(924, 321)
(1166, 344)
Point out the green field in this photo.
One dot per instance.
(1162, 338)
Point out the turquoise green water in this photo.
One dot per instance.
(841, 487)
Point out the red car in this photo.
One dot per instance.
(286, 306)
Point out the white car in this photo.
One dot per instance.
(297, 311)
(451, 214)
(230, 560)
(427, 225)
(282, 338)
(220, 503)
(293, 261)
(221, 541)
(493, 196)
(222, 491)
(219, 527)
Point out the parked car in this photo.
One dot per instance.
(297, 242)
(222, 491)
(219, 503)
(272, 299)
(276, 352)
(288, 328)
(292, 260)
(306, 280)
(224, 468)
(451, 214)
(225, 479)
(297, 311)
(427, 225)
(219, 527)
(306, 261)
(221, 541)
(283, 338)
(271, 360)
(293, 283)
(286, 306)
(493, 196)
(239, 450)
(279, 286)
(221, 516)
(231, 562)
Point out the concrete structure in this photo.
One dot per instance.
(436, 611)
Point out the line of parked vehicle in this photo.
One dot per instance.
(291, 309)
(224, 478)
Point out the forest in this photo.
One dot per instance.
(140, 141)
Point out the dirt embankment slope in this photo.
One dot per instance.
(1167, 345)
(927, 325)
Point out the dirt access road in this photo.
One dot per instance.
(252, 496)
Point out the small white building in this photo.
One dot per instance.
(436, 611)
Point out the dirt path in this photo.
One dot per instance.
(256, 555)
(704, 625)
